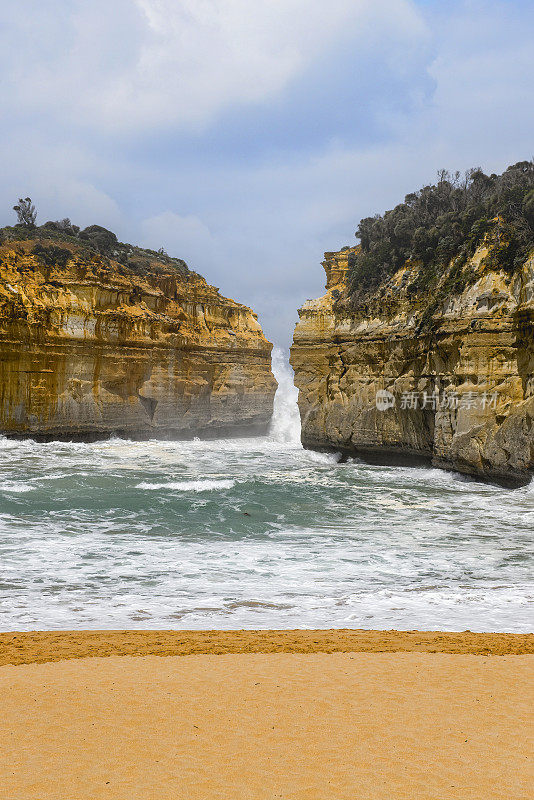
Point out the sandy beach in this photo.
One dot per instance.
(268, 714)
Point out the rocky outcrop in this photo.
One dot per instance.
(90, 348)
(400, 376)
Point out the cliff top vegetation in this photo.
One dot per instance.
(440, 226)
(55, 242)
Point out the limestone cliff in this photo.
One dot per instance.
(458, 367)
(91, 347)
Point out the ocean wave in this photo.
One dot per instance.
(15, 487)
(322, 458)
(189, 486)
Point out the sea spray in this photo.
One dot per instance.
(285, 423)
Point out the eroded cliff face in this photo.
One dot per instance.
(461, 385)
(90, 349)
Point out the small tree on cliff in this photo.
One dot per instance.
(26, 212)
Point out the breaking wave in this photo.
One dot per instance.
(189, 486)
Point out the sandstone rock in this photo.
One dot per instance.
(476, 355)
(89, 349)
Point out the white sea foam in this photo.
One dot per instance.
(189, 486)
(322, 458)
(15, 487)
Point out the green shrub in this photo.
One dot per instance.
(102, 239)
(445, 221)
(52, 255)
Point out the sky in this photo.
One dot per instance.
(249, 136)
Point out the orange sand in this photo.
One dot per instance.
(338, 726)
(298, 715)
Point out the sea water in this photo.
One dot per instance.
(254, 533)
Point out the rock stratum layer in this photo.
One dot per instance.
(89, 348)
(461, 385)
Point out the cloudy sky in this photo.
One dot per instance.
(248, 136)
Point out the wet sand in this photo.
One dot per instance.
(41, 646)
(346, 721)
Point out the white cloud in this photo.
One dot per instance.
(186, 236)
(64, 180)
(139, 65)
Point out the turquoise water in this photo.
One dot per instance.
(254, 533)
